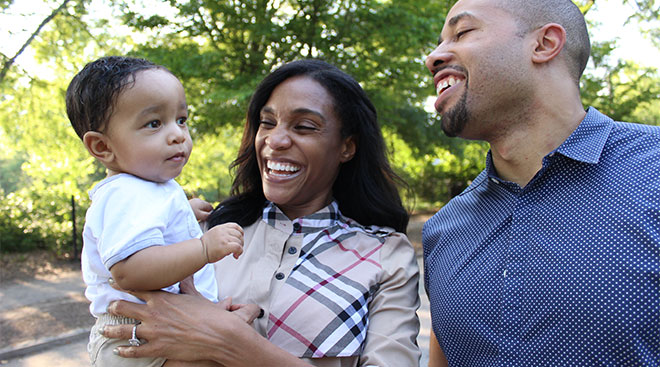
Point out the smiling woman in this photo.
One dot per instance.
(323, 256)
(299, 147)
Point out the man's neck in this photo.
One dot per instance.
(518, 155)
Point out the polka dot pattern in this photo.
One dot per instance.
(562, 272)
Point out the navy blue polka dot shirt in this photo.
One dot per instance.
(562, 272)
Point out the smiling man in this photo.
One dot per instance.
(552, 255)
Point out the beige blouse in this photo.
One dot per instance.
(275, 245)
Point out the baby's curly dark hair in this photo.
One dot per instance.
(91, 96)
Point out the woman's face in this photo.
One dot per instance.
(299, 147)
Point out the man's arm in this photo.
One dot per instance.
(436, 356)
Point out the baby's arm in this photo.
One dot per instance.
(157, 267)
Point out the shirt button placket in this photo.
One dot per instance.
(512, 281)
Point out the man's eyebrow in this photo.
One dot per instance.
(454, 20)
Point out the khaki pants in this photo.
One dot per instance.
(100, 348)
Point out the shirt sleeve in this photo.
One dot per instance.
(393, 322)
(133, 217)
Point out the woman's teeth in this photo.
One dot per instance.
(282, 167)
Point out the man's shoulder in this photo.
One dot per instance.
(631, 140)
(463, 208)
(637, 129)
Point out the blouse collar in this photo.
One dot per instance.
(323, 218)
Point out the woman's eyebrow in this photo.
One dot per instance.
(307, 111)
(297, 111)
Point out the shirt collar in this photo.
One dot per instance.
(585, 144)
(324, 218)
(587, 141)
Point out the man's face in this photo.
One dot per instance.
(478, 67)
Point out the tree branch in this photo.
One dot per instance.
(10, 62)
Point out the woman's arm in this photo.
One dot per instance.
(393, 322)
(188, 328)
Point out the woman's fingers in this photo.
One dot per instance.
(144, 350)
(120, 331)
(200, 208)
(246, 313)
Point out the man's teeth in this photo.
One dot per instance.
(451, 81)
(282, 167)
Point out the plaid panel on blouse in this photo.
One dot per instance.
(322, 308)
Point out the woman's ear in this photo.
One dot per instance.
(549, 42)
(97, 145)
(348, 149)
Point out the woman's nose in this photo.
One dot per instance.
(278, 138)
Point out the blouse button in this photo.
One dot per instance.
(296, 226)
(292, 250)
(279, 276)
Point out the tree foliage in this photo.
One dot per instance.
(221, 49)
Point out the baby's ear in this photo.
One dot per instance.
(97, 145)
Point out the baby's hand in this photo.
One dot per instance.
(201, 208)
(223, 240)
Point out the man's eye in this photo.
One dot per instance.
(462, 33)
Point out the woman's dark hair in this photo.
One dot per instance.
(365, 188)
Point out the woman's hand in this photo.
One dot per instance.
(182, 327)
(200, 208)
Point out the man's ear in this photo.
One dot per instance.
(348, 150)
(549, 42)
(97, 145)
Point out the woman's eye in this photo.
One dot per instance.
(266, 123)
(153, 124)
(181, 121)
(306, 127)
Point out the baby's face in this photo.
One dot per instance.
(147, 131)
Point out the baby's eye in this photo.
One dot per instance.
(181, 121)
(153, 124)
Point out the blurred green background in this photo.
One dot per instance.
(220, 50)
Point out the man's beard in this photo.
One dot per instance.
(453, 121)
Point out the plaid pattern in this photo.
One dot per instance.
(332, 283)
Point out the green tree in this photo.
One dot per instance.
(621, 89)
(221, 50)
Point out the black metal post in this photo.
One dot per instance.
(74, 233)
